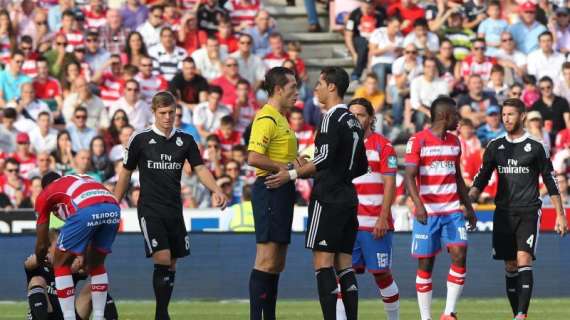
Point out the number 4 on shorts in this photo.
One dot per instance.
(530, 240)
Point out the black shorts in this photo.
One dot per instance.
(273, 211)
(331, 227)
(515, 230)
(165, 234)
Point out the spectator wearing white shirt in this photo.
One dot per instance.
(511, 59)
(251, 67)
(545, 61)
(207, 115)
(44, 137)
(425, 41)
(424, 90)
(149, 82)
(209, 58)
(404, 70)
(386, 45)
(81, 96)
(560, 28)
(562, 85)
(27, 105)
(137, 110)
(167, 57)
(150, 30)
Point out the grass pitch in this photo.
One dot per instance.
(468, 309)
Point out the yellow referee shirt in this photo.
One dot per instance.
(272, 136)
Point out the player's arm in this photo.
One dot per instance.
(42, 241)
(547, 172)
(464, 197)
(484, 174)
(130, 160)
(412, 160)
(122, 184)
(388, 169)
(262, 131)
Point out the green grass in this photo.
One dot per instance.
(469, 309)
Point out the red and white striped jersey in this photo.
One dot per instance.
(241, 12)
(74, 39)
(66, 195)
(437, 161)
(94, 20)
(382, 161)
(305, 137)
(245, 116)
(471, 67)
(111, 88)
(188, 5)
(151, 85)
(47, 90)
(29, 67)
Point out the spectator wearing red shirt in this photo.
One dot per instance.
(277, 55)
(245, 108)
(242, 13)
(13, 184)
(294, 52)
(150, 83)
(228, 136)
(477, 63)
(95, 14)
(110, 82)
(562, 139)
(228, 82)
(29, 67)
(171, 15)
(23, 154)
(303, 132)
(189, 36)
(226, 37)
(47, 88)
(73, 36)
(408, 11)
(470, 150)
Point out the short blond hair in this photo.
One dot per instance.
(163, 99)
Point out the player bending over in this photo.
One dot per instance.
(91, 215)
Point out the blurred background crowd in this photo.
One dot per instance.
(77, 78)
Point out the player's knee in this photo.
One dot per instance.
(524, 258)
(382, 276)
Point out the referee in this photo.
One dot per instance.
(272, 148)
(159, 152)
(519, 160)
(340, 156)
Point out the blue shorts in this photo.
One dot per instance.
(426, 239)
(373, 254)
(96, 225)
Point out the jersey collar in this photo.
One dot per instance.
(155, 129)
(338, 106)
(517, 140)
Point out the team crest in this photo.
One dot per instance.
(527, 147)
(179, 141)
(392, 162)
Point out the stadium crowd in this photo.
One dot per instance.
(77, 78)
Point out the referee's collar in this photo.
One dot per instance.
(160, 133)
(517, 140)
(338, 106)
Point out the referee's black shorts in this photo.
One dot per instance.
(515, 230)
(272, 211)
(331, 227)
(164, 233)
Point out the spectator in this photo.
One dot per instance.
(474, 104)
(244, 108)
(79, 133)
(530, 93)
(95, 14)
(242, 13)
(149, 82)
(460, 37)
(186, 127)
(47, 88)
(113, 34)
(73, 35)
(438, 12)
(166, 55)
(55, 13)
(110, 80)
(426, 41)
(226, 36)
(189, 36)
(260, 33)
(227, 135)
(28, 107)
(228, 82)
(212, 155)
(562, 85)
(526, 31)
(83, 97)
(172, 15)
(226, 183)
(471, 151)
(303, 132)
(359, 27)
(71, 72)
(13, 184)
(7, 131)
(118, 150)
(294, 51)
(43, 137)
(134, 14)
(135, 50)
(44, 165)
(408, 12)
(23, 154)
(251, 67)
(12, 78)
(477, 63)
(188, 86)
(42, 36)
(232, 170)
(95, 56)
(82, 166)
(29, 202)
(492, 27)
(560, 28)
(404, 70)
(57, 57)
(554, 109)
(369, 90)
(424, 90)
(138, 111)
(29, 66)
(22, 15)
(515, 91)
(545, 61)
(209, 15)
(111, 134)
(207, 115)
(448, 67)
(8, 36)
(150, 30)
(562, 139)
(561, 161)
(513, 60)
(209, 59)
(386, 45)
(493, 128)
(63, 154)
(474, 13)
(497, 84)
(277, 55)
(312, 111)
(535, 128)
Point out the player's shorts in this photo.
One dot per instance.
(331, 227)
(515, 230)
(375, 255)
(426, 239)
(162, 233)
(96, 225)
(273, 211)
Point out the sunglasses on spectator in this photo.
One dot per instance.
(410, 52)
(41, 23)
(479, 48)
(13, 170)
(215, 146)
(25, 48)
(245, 42)
(516, 93)
(231, 65)
(158, 16)
(91, 39)
(507, 39)
(133, 89)
(19, 61)
(61, 43)
(146, 65)
(80, 117)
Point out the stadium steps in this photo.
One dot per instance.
(294, 19)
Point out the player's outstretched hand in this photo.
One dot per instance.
(381, 227)
(421, 214)
(471, 219)
(219, 200)
(561, 225)
(275, 181)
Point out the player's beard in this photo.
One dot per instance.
(516, 127)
